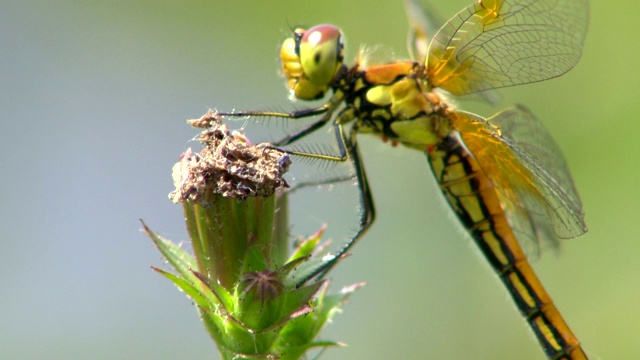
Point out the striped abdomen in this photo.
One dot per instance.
(476, 203)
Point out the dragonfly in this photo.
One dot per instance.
(504, 176)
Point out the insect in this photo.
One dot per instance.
(504, 176)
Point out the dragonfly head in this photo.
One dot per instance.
(311, 59)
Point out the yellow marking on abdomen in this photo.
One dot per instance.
(476, 202)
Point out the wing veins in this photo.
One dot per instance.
(526, 41)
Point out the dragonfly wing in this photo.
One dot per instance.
(423, 25)
(498, 43)
(528, 169)
(529, 222)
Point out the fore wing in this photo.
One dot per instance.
(528, 170)
(498, 43)
(423, 25)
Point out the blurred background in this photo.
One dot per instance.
(94, 98)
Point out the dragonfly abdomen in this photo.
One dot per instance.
(477, 205)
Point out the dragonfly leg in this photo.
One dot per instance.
(297, 114)
(304, 131)
(348, 149)
(326, 109)
(367, 208)
(342, 148)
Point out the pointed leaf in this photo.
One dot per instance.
(307, 246)
(304, 270)
(191, 291)
(177, 257)
(291, 266)
(217, 290)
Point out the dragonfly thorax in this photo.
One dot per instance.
(390, 100)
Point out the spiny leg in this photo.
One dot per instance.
(293, 137)
(367, 208)
(348, 148)
(340, 139)
(298, 114)
(326, 109)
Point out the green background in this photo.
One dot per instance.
(94, 96)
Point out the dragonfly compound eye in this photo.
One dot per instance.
(321, 54)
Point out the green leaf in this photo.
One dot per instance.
(221, 294)
(307, 246)
(191, 291)
(177, 257)
(212, 314)
(295, 304)
(291, 266)
(299, 333)
(303, 271)
(328, 305)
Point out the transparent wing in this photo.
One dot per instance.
(529, 171)
(423, 25)
(498, 43)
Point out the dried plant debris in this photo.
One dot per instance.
(228, 165)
